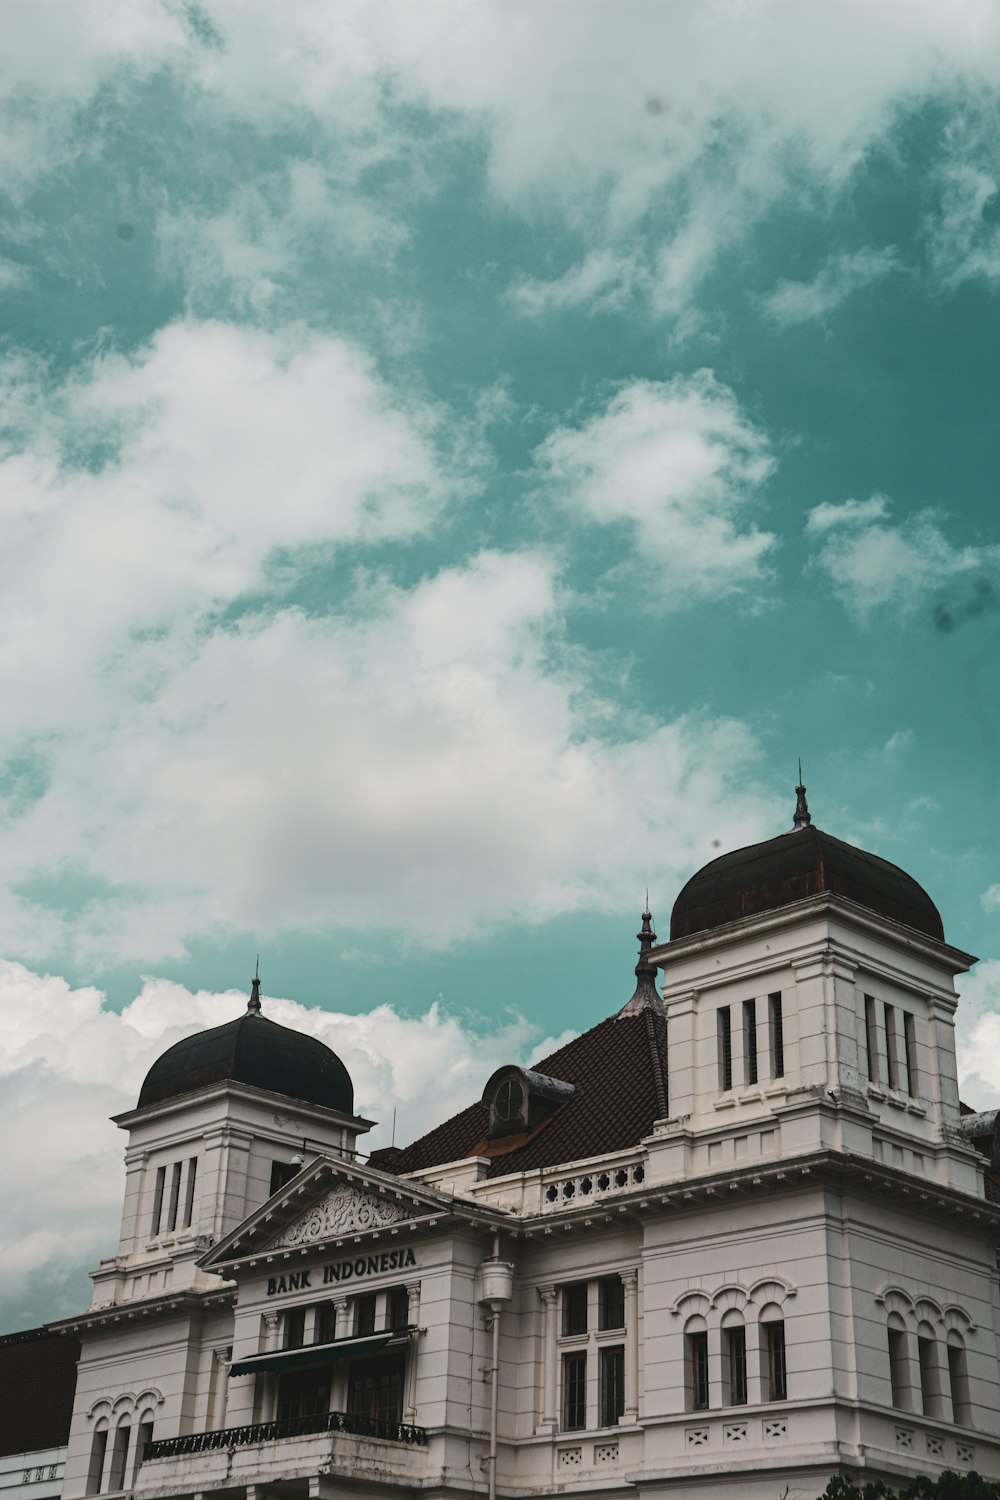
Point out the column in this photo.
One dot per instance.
(341, 1329)
(217, 1417)
(269, 1395)
(550, 1385)
(630, 1281)
(413, 1316)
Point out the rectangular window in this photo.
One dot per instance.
(735, 1352)
(119, 1457)
(612, 1303)
(325, 1324)
(899, 1375)
(303, 1393)
(910, 1054)
(145, 1436)
(697, 1353)
(777, 1377)
(282, 1172)
(871, 1046)
(574, 1392)
(777, 1029)
(725, 1048)
(750, 1041)
(375, 1387)
(612, 1386)
(574, 1309)
(295, 1328)
(364, 1314)
(398, 1308)
(161, 1178)
(98, 1450)
(192, 1178)
(891, 1050)
(175, 1193)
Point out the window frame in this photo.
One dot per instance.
(574, 1390)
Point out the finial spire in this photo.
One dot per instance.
(646, 994)
(801, 818)
(253, 1004)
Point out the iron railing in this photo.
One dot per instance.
(291, 1427)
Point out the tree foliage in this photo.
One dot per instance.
(948, 1486)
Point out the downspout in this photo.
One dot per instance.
(496, 1287)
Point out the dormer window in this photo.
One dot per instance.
(519, 1099)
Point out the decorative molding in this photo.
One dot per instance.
(345, 1210)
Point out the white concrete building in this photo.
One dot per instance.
(738, 1236)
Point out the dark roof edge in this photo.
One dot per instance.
(289, 1104)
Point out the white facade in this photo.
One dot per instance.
(793, 1274)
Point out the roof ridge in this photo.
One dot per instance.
(662, 1101)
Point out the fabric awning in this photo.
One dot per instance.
(317, 1354)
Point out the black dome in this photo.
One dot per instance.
(805, 862)
(256, 1051)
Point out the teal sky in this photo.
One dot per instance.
(455, 460)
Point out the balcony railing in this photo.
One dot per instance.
(291, 1427)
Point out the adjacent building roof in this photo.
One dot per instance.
(256, 1051)
(804, 862)
(37, 1385)
(619, 1072)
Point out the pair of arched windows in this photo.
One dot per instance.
(119, 1436)
(941, 1370)
(725, 1365)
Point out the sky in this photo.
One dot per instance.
(454, 460)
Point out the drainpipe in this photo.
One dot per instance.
(496, 1287)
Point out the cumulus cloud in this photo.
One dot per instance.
(978, 1035)
(682, 467)
(874, 564)
(67, 1062)
(793, 302)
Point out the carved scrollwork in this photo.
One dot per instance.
(343, 1211)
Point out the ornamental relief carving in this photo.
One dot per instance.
(345, 1210)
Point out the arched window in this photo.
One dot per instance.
(734, 1359)
(958, 1378)
(773, 1366)
(930, 1378)
(696, 1363)
(144, 1435)
(899, 1362)
(119, 1455)
(98, 1449)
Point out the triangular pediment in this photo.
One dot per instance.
(332, 1202)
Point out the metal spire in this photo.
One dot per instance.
(801, 818)
(646, 993)
(253, 1004)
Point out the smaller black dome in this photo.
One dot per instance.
(805, 862)
(255, 1051)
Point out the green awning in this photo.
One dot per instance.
(316, 1354)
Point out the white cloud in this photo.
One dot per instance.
(682, 466)
(990, 899)
(603, 281)
(873, 564)
(67, 1062)
(963, 237)
(978, 1035)
(794, 302)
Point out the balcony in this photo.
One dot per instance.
(293, 1427)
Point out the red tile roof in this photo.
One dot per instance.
(619, 1069)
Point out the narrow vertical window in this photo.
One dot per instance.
(910, 1054)
(398, 1309)
(612, 1372)
(775, 1369)
(161, 1177)
(325, 1324)
(899, 1372)
(725, 1048)
(777, 1029)
(891, 1050)
(295, 1328)
(364, 1314)
(175, 1193)
(95, 1469)
(734, 1355)
(612, 1303)
(119, 1457)
(144, 1436)
(189, 1186)
(871, 1047)
(696, 1342)
(574, 1392)
(574, 1308)
(930, 1385)
(958, 1379)
(750, 1040)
